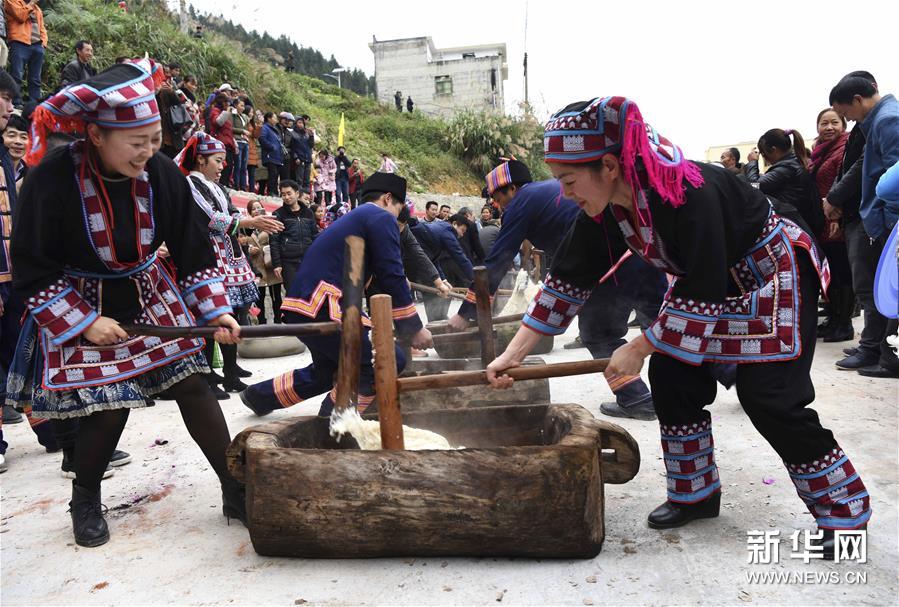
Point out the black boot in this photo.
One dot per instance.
(213, 385)
(672, 514)
(233, 384)
(88, 523)
(828, 542)
(241, 372)
(838, 333)
(844, 302)
(234, 500)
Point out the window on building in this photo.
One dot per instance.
(443, 85)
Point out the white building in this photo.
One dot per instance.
(440, 81)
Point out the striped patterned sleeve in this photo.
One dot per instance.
(205, 295)
(61, 311)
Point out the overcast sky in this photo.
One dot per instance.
(703, 72)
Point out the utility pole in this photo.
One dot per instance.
(526, 80)
(527, 104)
(182, 17)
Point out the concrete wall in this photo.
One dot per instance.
(455, 202)
(412, 65)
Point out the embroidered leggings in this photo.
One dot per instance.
(98, 433)
(774, 395)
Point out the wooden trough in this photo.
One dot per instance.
(471, 348)
(529, 483)
(523, 480)
(524, 392)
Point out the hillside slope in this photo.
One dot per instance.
(417, 143)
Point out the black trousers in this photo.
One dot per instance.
(271, 185)
(602, 320)
(864, 253)
(228, 171)
(274, 291)
(288, 271)
(774, 395)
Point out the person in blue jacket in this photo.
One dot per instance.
(272, 153)
(539, 213)
(439, 242)
(315, 293)
(857, 98)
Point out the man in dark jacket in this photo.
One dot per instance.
(470, 240)
(80, 67)
(439, 241)
(289, 247)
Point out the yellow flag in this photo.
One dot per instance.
(341, 131)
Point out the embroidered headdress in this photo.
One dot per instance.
(588, 130)
(508, 173)
(121, 97)
(199, 144)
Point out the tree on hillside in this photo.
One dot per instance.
(308, 61)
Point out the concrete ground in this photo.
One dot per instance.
(171, 545)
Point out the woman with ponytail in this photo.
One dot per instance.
(787, 177)
(745, 291)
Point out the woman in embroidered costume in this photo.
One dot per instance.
(92, 217)
(745, 289)
(202, 160)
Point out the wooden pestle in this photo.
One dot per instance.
(389, 414)
(485, 315)
(347, 387)
(474, 378)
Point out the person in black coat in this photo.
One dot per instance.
(79, 68)
(300, 229)
(470, 240)
(787, 179)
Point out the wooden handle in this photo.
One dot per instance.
(620, 453)
(441, 327)
(389, 414)
(434, 291)
(464, 291)
(476, 378)
(347, 387)
(294, 330)
(461, 337)
(485, 315)
(538, 263)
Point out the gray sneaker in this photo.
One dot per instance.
(11, 416)
(574, 345)
(640, 411)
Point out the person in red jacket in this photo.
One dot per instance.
(356, 179)
(221, 127)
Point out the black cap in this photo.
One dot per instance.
(385, 182)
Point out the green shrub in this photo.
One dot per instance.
(482, 139)
(416, 142)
